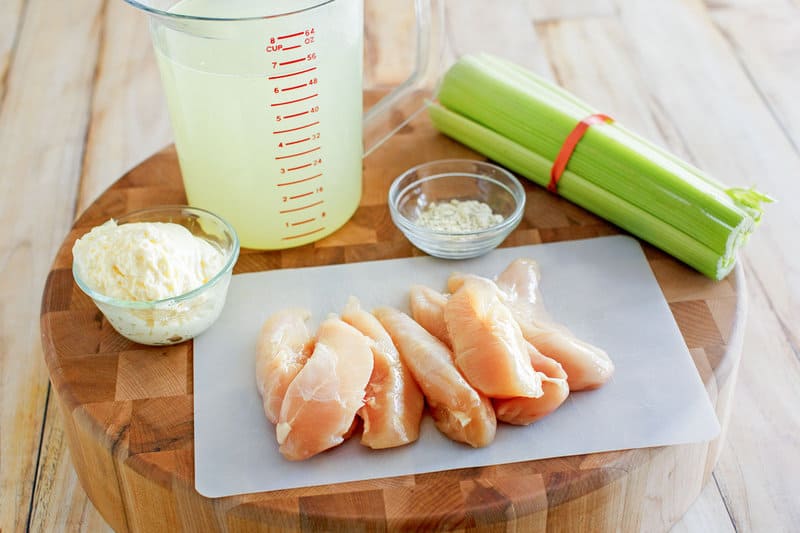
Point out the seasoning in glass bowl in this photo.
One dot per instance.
(458, 216)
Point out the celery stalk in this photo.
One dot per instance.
(534, 114)
(746, 201)
(535, 83)
(587, 195)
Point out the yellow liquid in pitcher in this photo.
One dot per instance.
(267, 124)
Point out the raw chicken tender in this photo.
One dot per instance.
(321, 402)
(427, 309)
(487, 342)
(587, 366)
(393, 406)
(460, 412)
(284, 345)
(521, 410)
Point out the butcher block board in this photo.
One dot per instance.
(602, 289)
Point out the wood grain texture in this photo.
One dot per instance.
(10, 25)
(707, 514)
(767, 43)
(771, 63)
(738, 4)
(43, 87)
(60, 503)
(516, 41)
(543, 10)
(129, 119)
(148, 440)
(764, 429)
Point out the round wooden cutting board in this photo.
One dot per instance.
(128, 408)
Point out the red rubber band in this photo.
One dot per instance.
(560, 164)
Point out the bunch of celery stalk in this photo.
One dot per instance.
(520, 120)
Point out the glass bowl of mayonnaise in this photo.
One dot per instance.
(159, 275)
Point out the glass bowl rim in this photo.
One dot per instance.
(515, 189)
(150, 304)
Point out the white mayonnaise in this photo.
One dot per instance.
(147, 262)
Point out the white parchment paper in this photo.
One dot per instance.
(602, 289)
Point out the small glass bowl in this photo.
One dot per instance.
(179, 318)
(459, 179)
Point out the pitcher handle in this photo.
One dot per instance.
(403, 103)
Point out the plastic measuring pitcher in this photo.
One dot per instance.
(265, 99)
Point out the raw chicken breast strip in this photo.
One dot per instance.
(460, 412)
(284, 345)
(587, 366)
(488, 345)
(321, 402)
(555, 389)
(427, 308)
(393, 406)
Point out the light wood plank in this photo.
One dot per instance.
(60, 503)
(43, 122)
(506, 32)
(757, 472)
(723, 4)
(10, 25)
(707, 514)
(129, 112)
(555, 10)
(730, 132)
(768, 43)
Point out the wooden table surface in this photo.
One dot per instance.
(716, 82)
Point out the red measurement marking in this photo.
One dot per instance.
(298, 153)
(315, 176)
(292, 88)
(306, 234)
(306, 221)
(296, 114)
(298, 168)
(309, 206)
(298, 34)
(295, 129)
(292, 74)
(298, 141)
(309, 97)
(296, 196)
(291, 47)
(292, 62)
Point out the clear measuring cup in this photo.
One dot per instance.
(265, 99)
